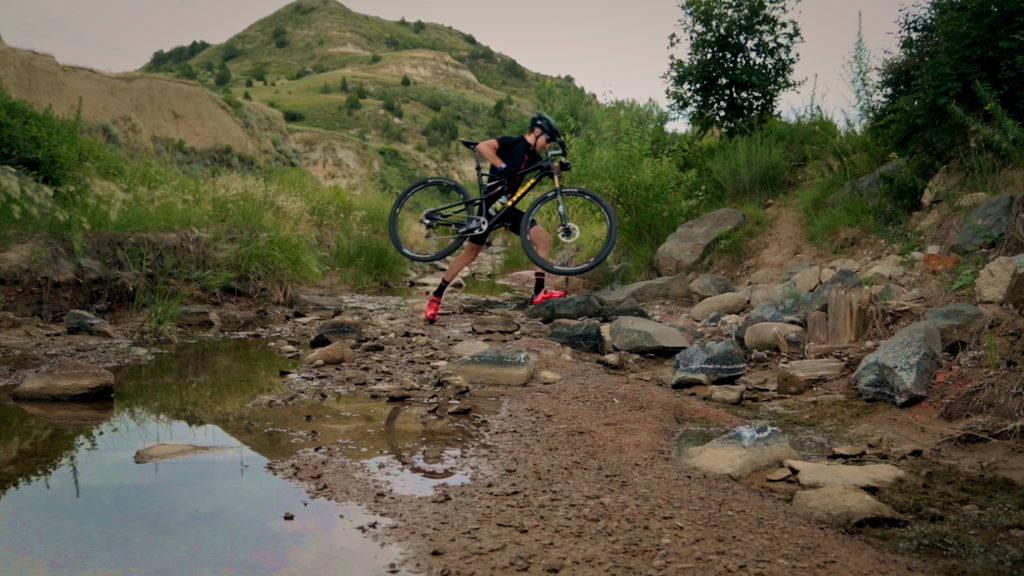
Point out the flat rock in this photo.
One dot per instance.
(843, 505)
(173, 451)
(814, 474)
(68, 381)
(336, 353)
(504, 366)
(741, 453)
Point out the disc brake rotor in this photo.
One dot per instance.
(569, 233)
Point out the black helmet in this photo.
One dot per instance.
(547, 126)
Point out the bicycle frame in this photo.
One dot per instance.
(550, 167)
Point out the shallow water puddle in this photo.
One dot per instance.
(73, 500)
(410, 446)
(212, 513)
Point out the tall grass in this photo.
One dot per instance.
(362, 252)
(753, 167)
(626, 155)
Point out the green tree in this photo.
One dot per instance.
(280, 36)
(945, 51)
(231, 51)
(740, 60)
(352, 103)
(392, 104)
(164, 61)
(223, 76)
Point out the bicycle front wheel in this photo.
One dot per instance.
(425, 217)
(582, 226)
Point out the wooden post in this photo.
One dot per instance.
(847, 314)
(843, 324)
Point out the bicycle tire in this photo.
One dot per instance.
(584, 243)
(417, 240)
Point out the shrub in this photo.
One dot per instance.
(442, 128)
(231, 51)
(49, 147)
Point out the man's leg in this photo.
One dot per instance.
(541, 241)
(468, 255)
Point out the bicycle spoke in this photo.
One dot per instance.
(425, 218)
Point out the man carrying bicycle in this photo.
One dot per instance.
(508, 155)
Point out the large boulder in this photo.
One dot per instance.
(994, 280)
(985, 226)
(868, 187)
(584, 336)
(173, 451)
(644, 291)
(692, 240)
(817, 474)
(958, 323)
(337, 353)
(494, 324)
(642, 336)
(903, 367)
(199, 318)
(707, 285)
(726, 303)
(344, 327)
(778, 336)
(570, 307)
(707, 362)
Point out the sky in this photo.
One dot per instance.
(615, 50)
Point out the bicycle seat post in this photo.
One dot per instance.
(471, 144)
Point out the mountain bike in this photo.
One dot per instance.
(432, 218)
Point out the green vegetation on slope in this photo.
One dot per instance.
(417, 85)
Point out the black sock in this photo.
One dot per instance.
(439, 291)
(538, 282)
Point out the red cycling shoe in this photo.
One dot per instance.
(433, 306)
(546, 294)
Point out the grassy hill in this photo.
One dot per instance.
(404, 90)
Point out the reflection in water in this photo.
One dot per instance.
(211, 513)
(73, 501)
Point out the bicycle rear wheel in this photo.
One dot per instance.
(425, 217)
(582, 225)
